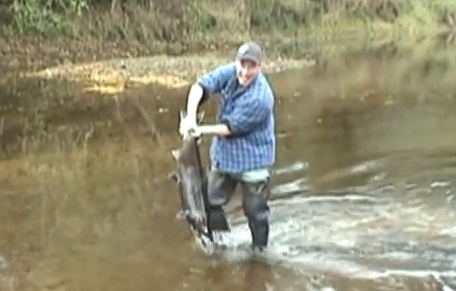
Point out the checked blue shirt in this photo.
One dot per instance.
(248, 112)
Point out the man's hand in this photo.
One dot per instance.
(189, 126)
(186, 124)
(195, 131)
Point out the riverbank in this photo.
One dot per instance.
(116, 75)
(108, 75)
(109, 49)
(35, 36)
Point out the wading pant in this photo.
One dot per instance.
(255, 193)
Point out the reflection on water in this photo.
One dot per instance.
(364, 195)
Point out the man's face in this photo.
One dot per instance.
(246, 71)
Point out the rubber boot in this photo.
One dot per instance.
(217, 219)
(220, 188)
(259, 229)
(256, 210)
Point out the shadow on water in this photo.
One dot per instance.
(363, 198)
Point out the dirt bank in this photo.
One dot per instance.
(114, 76)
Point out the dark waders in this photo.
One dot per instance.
(221, 187)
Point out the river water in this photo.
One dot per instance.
(364, 188)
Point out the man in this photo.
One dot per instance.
(243, 147)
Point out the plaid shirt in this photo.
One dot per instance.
(248, 112)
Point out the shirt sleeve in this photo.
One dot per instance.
(214, 81)
(248, 114)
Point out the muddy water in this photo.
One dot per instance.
(363, 190)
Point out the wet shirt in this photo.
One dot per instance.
(248, 112)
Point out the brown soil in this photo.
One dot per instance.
(114, 76)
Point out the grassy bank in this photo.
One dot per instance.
(176, 27)
(39, 34)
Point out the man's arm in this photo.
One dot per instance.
(216, 129)
(195, 97)
(209, 83)
(244, 118)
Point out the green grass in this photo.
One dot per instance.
(208, 23)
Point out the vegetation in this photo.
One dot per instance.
(206, 22)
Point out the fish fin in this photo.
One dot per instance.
(175, 154)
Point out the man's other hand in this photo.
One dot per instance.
(187, 126)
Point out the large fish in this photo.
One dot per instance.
(191, 179)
